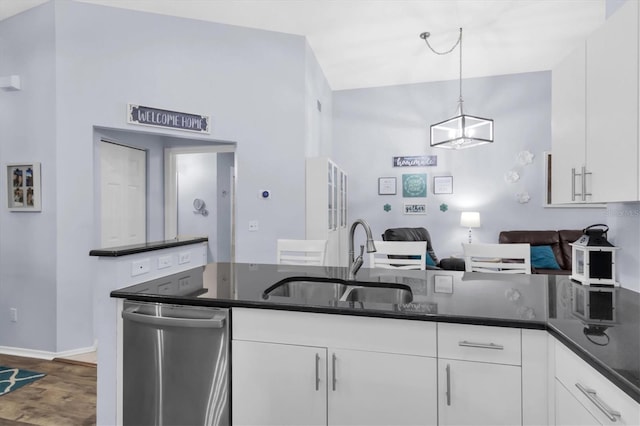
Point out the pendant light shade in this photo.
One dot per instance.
(461, 131)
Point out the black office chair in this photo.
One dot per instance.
(421, 234)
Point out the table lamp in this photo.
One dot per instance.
(470, 220)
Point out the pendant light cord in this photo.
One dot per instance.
(425, 37)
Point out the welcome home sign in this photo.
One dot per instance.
(148, 116)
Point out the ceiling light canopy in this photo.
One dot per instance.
(461, 131)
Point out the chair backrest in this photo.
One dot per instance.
(301, 252)
(505, 258)
(411, 234)
(399, 255)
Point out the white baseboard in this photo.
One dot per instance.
(34, 353)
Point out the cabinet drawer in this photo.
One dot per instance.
(336, 331)
(594, 391)
(479, 343)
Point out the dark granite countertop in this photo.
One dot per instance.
(150, 246)
(600, 324)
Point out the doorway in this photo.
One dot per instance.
(200, 197)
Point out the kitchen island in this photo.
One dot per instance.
(599, 325)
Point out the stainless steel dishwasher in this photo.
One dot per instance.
(175, 365)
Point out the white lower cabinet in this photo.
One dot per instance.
(276, 384)
(479, 375)
(476, 393)
(592, 394)
(294, 368)
(370, 388)
(569, 411)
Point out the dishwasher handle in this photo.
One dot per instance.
(217, 321)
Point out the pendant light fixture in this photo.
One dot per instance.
(461, 131)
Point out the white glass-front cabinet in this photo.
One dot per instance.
(595, 116)
(326, 208)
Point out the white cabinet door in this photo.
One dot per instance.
(568, 127)
(274, 384)
(569, 412)
(476, 393)
(612, 108)
(370, 388)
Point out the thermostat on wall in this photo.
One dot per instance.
(264, 194)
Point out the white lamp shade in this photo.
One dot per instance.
(470, 219)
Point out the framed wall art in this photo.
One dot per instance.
(414, 185)
(387, 186)
(23, 187)
(443, 185)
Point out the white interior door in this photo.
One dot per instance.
(122, 195)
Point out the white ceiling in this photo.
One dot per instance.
(368, 43)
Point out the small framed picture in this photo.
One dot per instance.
(387, 186)
(23, 187)
(443, 185)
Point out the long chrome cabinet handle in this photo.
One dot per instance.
(448, 393)
(573, 184)
(317, 372)
(481, 345)
(593, 397)
(584, 183)
(333, 371)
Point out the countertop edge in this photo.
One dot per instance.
(127, 250)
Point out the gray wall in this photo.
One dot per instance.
(255, 85)
(28, 241)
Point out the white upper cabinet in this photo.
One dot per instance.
(612, 107)
(595, 116)
(568, 127)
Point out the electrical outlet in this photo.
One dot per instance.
(140, 267)
(184, 257)
(253, 225)
(14, 314)
(183, 283)
(164, 262)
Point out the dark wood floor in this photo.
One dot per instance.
(66, 396)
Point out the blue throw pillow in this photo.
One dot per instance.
(542, 257)
(430, 261)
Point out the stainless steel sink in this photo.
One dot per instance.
(308, 289)
(318, 290)
(378, 294)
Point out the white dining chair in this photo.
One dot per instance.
(399, 255)
(301, 252)
(501, 258)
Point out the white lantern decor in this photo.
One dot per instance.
(593, 258)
